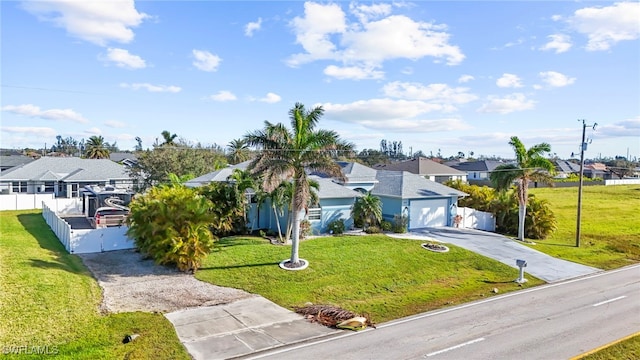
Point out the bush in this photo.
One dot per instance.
(386, 225)
(305, 229)
(400, 224)
(373, 230)
(539, 223)
(336, 227)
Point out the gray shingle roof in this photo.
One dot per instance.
(331, 190)
(482, 165)
(14, 160)
(218, 175)
(421, 166)
(67, 169)
(406, 185)
(355, 172)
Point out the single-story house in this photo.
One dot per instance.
(10, 161)
(566, 168)
(124, 158)
(427, 168)
(63, 176)
(477, 170)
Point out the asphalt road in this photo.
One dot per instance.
(556, 321)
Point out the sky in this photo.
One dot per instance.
(439, 76)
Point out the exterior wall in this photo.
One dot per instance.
(391, 207)
(333, 209)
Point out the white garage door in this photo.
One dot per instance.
(428, 213)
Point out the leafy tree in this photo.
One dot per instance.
(170, 223)
(168, 138)
(242, 180)
(226, 208)
(541, 221)
(367, 210)
(479, 198)
(286, 154)
(238, 151)
(138, 144)
(530, 166)
(620, 167)
(371, 157)
(96, 149)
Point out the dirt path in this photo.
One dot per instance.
(130, 283)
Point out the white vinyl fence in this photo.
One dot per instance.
(622, 182)
(82, 241)
(34, 201)
(474, 219)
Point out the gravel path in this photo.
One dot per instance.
(130, 283)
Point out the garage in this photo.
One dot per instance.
(428, 213)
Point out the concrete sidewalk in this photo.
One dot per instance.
(241, 327)
(505, 250)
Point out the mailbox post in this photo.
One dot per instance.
(521, 264)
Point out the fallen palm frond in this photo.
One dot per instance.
(331, 316)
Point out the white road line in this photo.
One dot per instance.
(454, 347)
(611, 300)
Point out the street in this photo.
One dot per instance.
(556, 321)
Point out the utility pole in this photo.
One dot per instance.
(583, 148)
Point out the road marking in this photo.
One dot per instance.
(611, 300)
(455, 347)
(578, 357)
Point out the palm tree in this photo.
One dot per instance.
(288, 154)
(238, 151)
(168, 138)
(96, 148)
(530, 166)
(242, 181)
(368, 209)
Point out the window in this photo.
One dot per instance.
(49, 186)
(19, 186)
(314, 214)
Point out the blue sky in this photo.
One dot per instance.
(438, 76)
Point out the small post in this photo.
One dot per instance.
(521, 264)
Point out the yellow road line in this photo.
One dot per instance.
(604, 346)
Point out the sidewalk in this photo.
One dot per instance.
(241, 327)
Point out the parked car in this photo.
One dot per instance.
(109, 216)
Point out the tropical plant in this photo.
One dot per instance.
(96, 148)
(541, 221)
(170, 223)
(241, 181)
(238, 151)
(168, 138)
(336, 227)
(226, 208)
(368, 210)
(287, 154)
(400, 223)
(530, 166)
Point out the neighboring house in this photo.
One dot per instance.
(10, 161)
(124, 158)
(566, 168)
(63, 176)
(477, 170)
(427, 168)
(218, 175)
(597, 170)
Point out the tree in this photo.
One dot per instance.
(371, 157)
(242, 180)
(169, 138)
(138, 144)
(96, 149)
(286, 154)
(530, 166)
(238, 151)
(367, 210)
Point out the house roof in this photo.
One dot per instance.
(567, 166)
(331, 190)
(14, 160)
(406, 185)
(421, 166)
(120, 156)
(481, 165)
(356, 173)
(67, 169)
(218, 175)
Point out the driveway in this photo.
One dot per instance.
(505, 250)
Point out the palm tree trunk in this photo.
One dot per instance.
(522, 212)
(275, 212)
(295, 242)
(522, 201)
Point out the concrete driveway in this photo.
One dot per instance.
(505, 250)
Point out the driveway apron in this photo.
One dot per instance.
(507, 251)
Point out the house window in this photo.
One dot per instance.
(314, 214)
(74, 190)
(19, 186)
(49, 186)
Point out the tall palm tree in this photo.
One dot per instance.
(96, 148)
(168, 138)
(242, 181)
(368, 209)
(287, 154)
(530, 166)
(238, 151)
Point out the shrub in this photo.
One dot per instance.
(540, 221)
(336, 227)
(386, 225)
(400, 224)
(373, 230)
(305, 229)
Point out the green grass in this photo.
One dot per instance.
(610, 226)
(49, 299)
(384, 277)
(628, 349)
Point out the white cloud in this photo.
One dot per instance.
(606, 26)
(271, 98)
(353, 72)
(325, 33)
(223, 95)
(465, 78)
(41, 132)
(507, 104)
(152, 88)
(115, 124)
(205, 60)
(625, 128)
(99, 22)
(556, 79)
(51, 114)
(122, 58)
(433, 92)
(252, 27)
(558, 42)
(379, 109)
(509, 81)
(93, 131)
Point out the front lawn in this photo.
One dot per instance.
(610, 226)
(49, 302)
(626, 349)
(384, 277)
